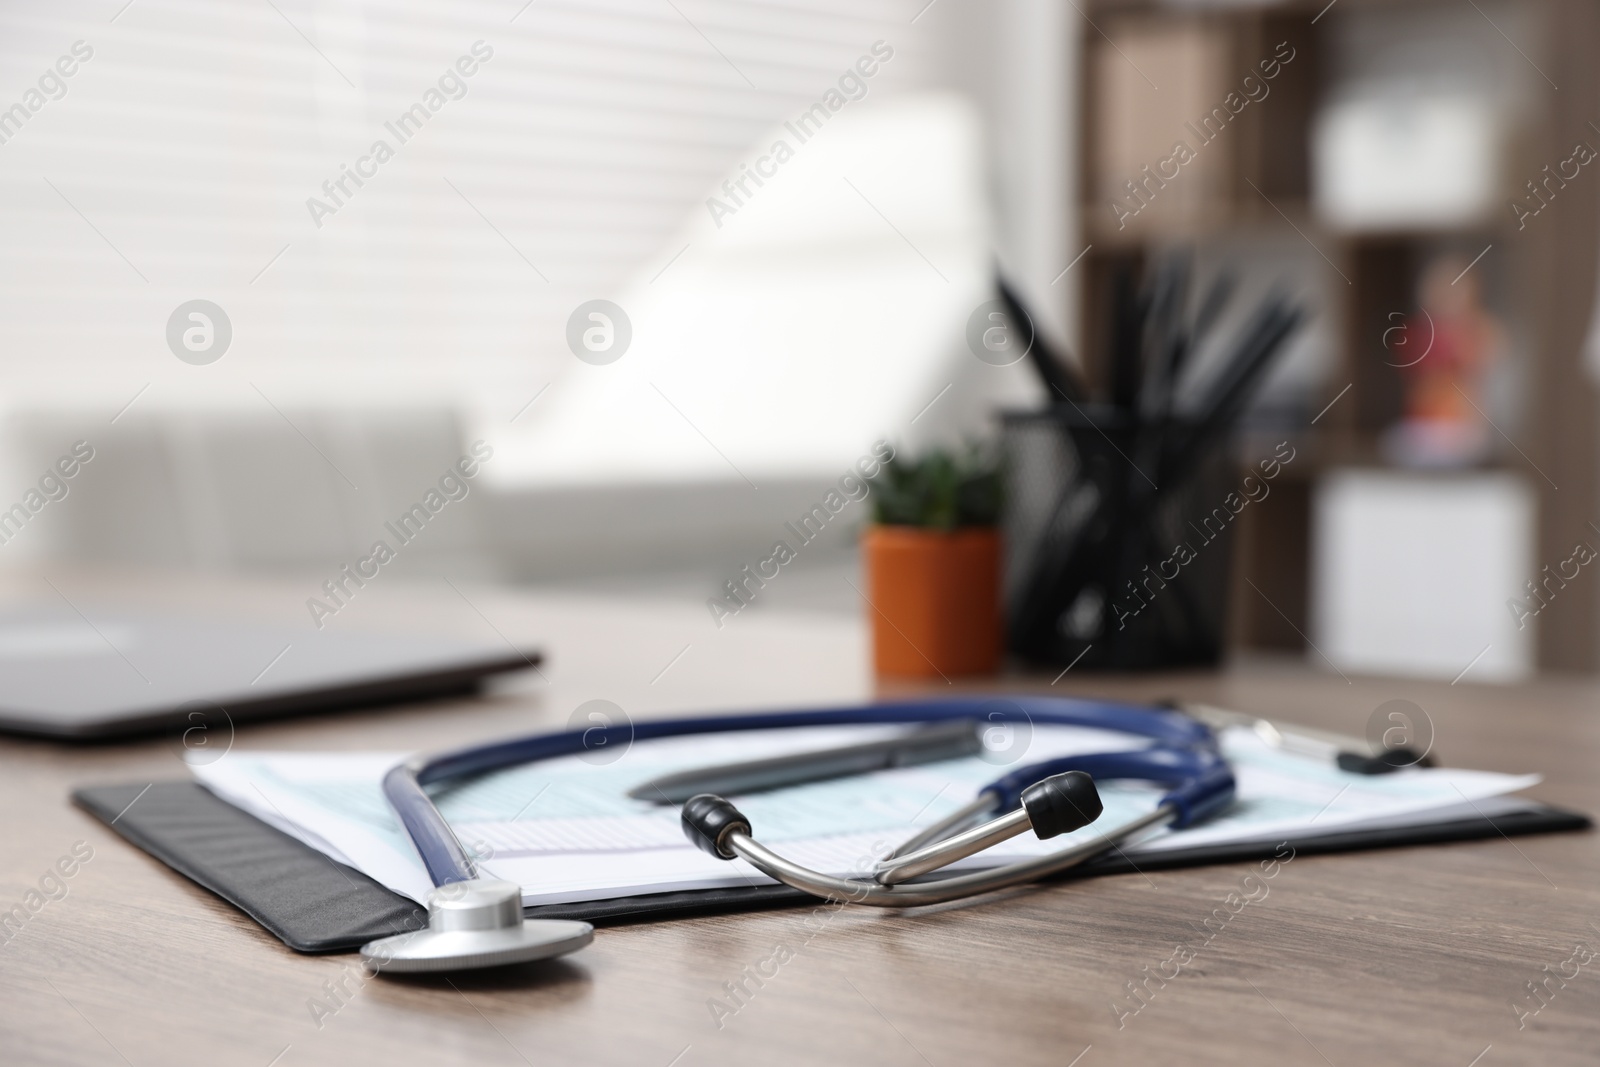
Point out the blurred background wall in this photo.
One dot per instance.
(378, 326)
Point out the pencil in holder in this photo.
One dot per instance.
(1116, 559)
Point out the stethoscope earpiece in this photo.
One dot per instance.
(707, 820)
(1050, 807)
(1061, 804)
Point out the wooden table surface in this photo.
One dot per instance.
(1417, 955)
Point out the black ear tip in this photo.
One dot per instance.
(1062, 803)
(707, 819)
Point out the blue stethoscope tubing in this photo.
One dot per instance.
(1183, 757)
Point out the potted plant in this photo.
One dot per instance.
(933, 565)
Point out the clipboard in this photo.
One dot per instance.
(314, 904)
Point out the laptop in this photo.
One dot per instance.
(111, 674)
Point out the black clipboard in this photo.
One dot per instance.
(315, 904)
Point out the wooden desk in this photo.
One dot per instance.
(1403, 956)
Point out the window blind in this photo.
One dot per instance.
(538, 155)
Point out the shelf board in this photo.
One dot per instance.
(1262, 218)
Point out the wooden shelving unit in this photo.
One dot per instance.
(1541, 278)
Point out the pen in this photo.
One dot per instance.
(1126, 341)
(946, 740)
(1235, 386)
(1056, 373)
(1167, 336)
(1347, 753)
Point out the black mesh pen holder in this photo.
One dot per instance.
(1118, 540)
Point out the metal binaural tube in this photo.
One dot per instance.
(955, 822)
(916, 894)
(962, 845)
(1050, 807)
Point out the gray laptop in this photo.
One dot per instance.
(108, 674)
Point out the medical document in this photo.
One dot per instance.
(565, 830)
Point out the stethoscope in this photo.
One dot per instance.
(478, 922)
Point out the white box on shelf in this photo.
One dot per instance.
(1405, 161)
(1412, 574)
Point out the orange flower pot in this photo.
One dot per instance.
(935, 600)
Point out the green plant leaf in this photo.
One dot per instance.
(940, 490)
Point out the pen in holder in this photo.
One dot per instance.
(1112, 562)
(1119, 515)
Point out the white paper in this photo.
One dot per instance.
(565, 830)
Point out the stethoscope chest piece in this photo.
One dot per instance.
(475, 924)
